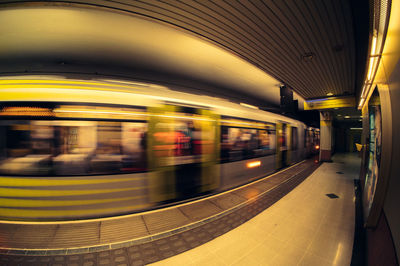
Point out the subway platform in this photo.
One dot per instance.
(302, 215)
(312, 225)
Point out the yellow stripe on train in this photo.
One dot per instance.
(21, 203)
(21, 213)
(31, 182)
(17, 192)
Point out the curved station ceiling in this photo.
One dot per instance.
(317, 48)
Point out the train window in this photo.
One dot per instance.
(120, 147)
(309, 140)
(245, 143)
(177, 141)
(282, 137)
(305, 138)
(188, 138)
(294, 138)
(71, 147)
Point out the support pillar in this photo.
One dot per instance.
(325, 136)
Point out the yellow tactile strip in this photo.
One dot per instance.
(193, 233)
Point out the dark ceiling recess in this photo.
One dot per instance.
(361, 12)
(329, 36)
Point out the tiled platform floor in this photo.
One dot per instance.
(73, 237)
(235, 208)
(305, 227)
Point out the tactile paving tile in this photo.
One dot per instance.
(165, 220)
(277, 179)
(122, 229)
(68, 235)
(200, 210)
(7, 232)
(142, 254)
(227, 201)
(248, 192)
(32, 236)
(264, 185)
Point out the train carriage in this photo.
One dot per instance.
(73, 149)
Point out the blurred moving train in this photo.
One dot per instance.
(72, 149)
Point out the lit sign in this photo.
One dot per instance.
(329, 103)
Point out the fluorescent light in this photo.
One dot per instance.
(372, 57)
(329, 94)
(371, 63)
(361, 102)
(346, 116)
(373, 50)
(371, 69)
(363, 91)
(248, 105)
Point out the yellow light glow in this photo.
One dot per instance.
(361, 102)
(253, 164)
(371, 64)
(371, 69)
(240, 123)
(126, 113)
(363, 91)
(339, 252)
(373, 49)
(329, 94)
(96, 112)
(26, 111)
(248, 105)
(185, 117)
(125, 82)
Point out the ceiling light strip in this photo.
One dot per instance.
(378, 37)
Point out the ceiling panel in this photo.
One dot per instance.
(308, 45)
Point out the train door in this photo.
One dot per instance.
(183, 145)
(289, 145)
(282, 153)
(209, 146)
